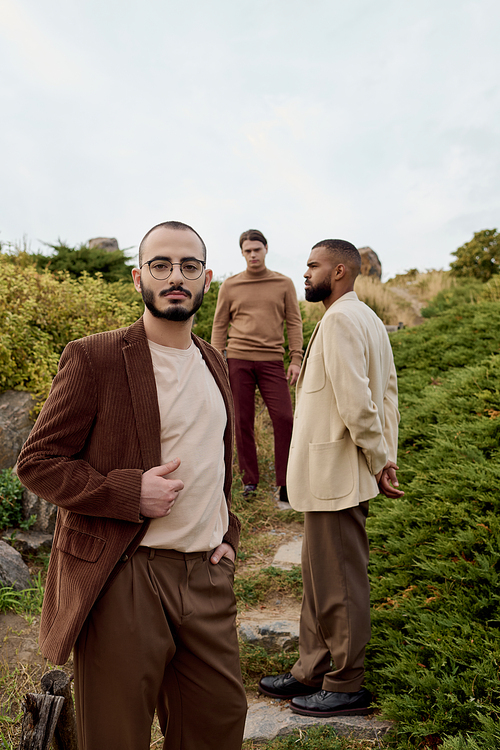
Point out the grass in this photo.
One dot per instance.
(317, 738)
(26, 602)
(15, 682)
(255, 587)
(397, 301)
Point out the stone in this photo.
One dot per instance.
(370, 263)
(274, 637)
(13, 571)
(109, 244)
(30, 541)
(15, 425)
(288, 555)
(265, 721)
(45, 512)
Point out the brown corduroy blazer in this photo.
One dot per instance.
(98, 431)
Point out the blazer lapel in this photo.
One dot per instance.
(139, 366)
(302, 369)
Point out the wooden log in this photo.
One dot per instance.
(41, 713)
(58, 683)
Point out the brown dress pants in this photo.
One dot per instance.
(271, 380)
(163, 636)
(335, 616)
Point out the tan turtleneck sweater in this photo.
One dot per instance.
(255, 305)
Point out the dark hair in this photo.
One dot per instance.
(343, 251)
(252, 234)
(178, 225)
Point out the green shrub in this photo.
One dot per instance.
(467, 291)
(11, 495)
(41, 312)
(434, 656)
(480, 257)
(77, 261)
(204, 318)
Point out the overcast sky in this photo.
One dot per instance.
(375, 121)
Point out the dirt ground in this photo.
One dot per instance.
(18, 640)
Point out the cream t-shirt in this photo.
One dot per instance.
(193, 419)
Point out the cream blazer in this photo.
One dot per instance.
(346, 417)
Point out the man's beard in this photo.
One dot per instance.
(319, 292)
(175, 311)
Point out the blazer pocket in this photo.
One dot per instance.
(330, 471)
(80, 544)
(314, 375)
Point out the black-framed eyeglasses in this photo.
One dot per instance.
(161, 269)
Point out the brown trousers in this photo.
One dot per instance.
(163, 636)
(335, 616)
(271, 380)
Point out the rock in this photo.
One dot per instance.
(370, 263)
(265, 721)
(15, 425)
(30, 541)
(13, 571)
(110, 244)
(277, 636)
(288, 555)
(45, 512)
(392, 329)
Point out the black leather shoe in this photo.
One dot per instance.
(249, 491)
(284, 686)
(326, 703)
(284, 495)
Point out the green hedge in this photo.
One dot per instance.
(40, 312)
(434, 658)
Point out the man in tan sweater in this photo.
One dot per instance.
(255, 304)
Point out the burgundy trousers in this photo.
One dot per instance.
(270, 378)
(335, 615)
(163, 636)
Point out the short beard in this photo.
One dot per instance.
(319, 292)
(176, 312)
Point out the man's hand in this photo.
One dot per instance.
(292, 374)
(387, 480)
(157, 493)
(223, 550)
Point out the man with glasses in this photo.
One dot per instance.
(255, 304)
(134, 445)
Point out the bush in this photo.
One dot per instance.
(11, 495)
(480, 257)
(204, 318)
(40, 312)
(77, 261)
(435, 562)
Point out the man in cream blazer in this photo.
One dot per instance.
(343, 453)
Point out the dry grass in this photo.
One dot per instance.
(424, 286)
(15, 682)
(390, 305)
(397, 301)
